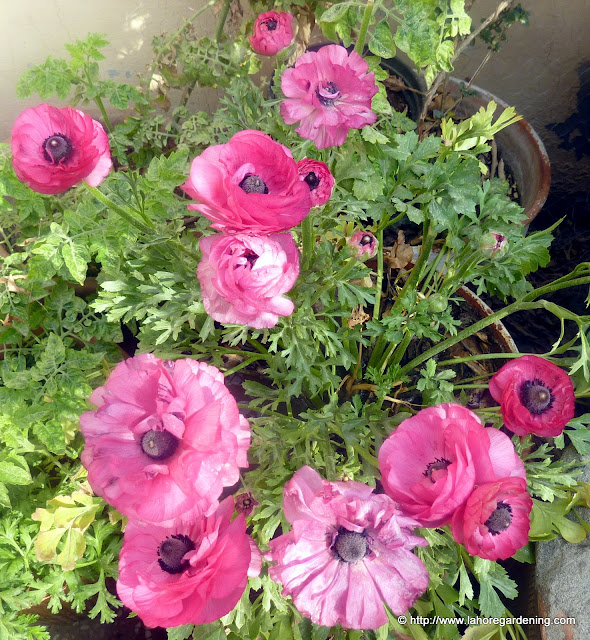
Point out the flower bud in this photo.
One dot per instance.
(493, 245)
(363, 243)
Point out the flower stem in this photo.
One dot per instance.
(360, 41)
(120, 211)
(308, 240)
(222, 19)
(524, 304)
(103, 111)
(379, 282)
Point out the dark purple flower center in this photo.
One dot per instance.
(438, 465)
(500, 519)
(57, 148)
(171, 552)
(159, 445)
(536, 397)
(271, 25)
(351, 546)
(327, 93)
(253, 184)
(312, 181)
(366, 239)
(251, 257)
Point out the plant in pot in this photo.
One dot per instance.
(289, 452)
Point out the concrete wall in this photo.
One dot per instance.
(540, 69)
(35, 29)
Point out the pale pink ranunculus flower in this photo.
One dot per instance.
(250, 184)
(318, 178)
(349, 551)
(328, 92)
(272, 32)
(494, 523)
(244, 276)
(54, 149)
(165, 439)
(431, 463)
(190, 573)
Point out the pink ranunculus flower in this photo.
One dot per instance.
(329, 92)
(535, 396)
(248, 184)
(244, 276)
(364, 243)
(348, 552)
(54, 149)
(433, 460)
(318, 178)
(272, 32)
(494, 522)
(190, 573)
(165, 440)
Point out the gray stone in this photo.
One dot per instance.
(562, 577)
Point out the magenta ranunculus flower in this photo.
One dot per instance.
(54, 149)
(535, 396)
(165, 439)
(243, 277)
(364, 243)
(494, 522)
(329, 92)
(191, 573)
(250, 183)
(318, 178)
(272, 32)
(348, 552)
(432, 461)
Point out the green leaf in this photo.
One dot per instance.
(53, 77)
(15, 470)
(76, 259)
(381, 42)
(336, 12)
(180, 633)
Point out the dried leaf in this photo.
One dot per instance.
(11, 285)
(358, 317)
(401, 254)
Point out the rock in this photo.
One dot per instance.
(562, 577)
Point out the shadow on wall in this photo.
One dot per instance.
(575, 131)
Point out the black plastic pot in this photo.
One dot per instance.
(414, 100)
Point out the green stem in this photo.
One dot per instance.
(244, 364)
(222, 19)
(360, 42)
(103, 111)
(118, 210)
(525, 303)
(308, 240)
(379, 283)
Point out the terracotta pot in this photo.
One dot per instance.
(519, 146)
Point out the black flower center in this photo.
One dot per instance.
(351, 546)
(327, 93)
(253, 184)
(271, 25)
(536, 397)
(312, 180)
(437, 465)
(171, 552)
(159, 445)
(57, 148)
(500, 519)
(365, 240)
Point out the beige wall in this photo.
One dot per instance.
(535, 71)
(35, 29)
